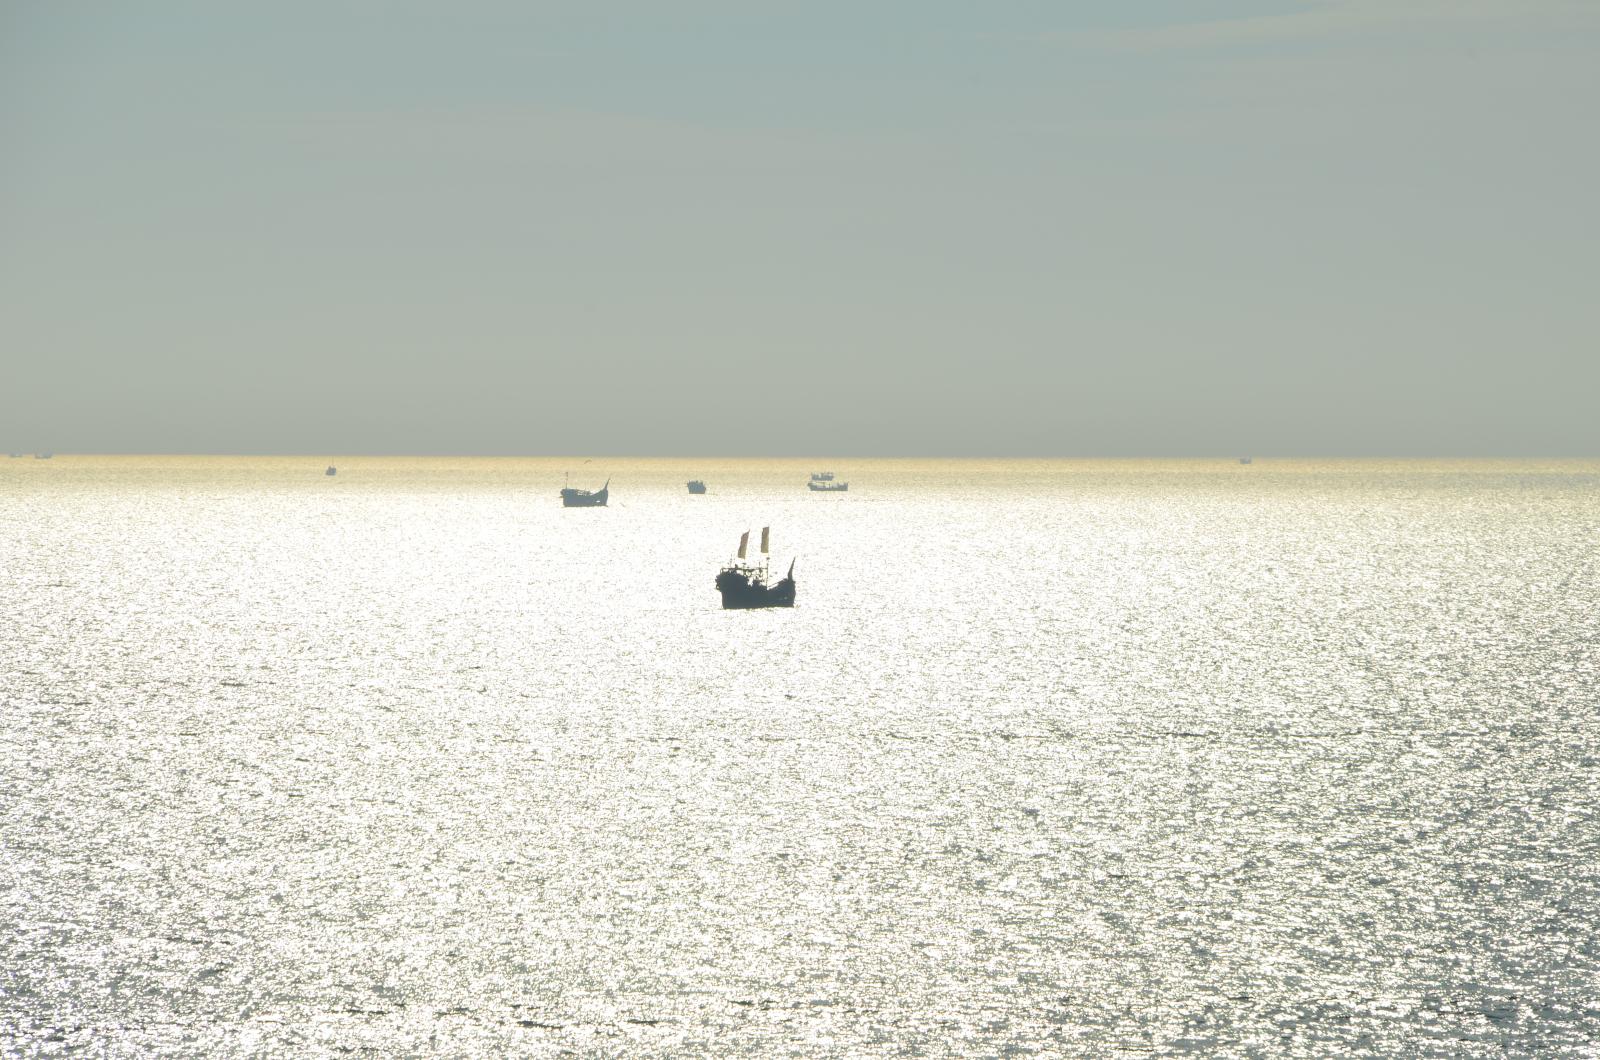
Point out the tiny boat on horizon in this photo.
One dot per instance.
(331, 471)
(575, 498)
(696, 486)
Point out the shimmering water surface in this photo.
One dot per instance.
(1061, 757)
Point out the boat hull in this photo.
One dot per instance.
(739, 593)
(828, 487)
(584, 499)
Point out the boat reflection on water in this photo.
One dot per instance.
(745, 586)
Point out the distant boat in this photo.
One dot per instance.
(745, 586)
(571, 498)
(817, 485)
(696, 486)
(14, 456)
(43, 456)
(331, 471)
(1244, 460)
(822, 476)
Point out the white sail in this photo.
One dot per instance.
(744, 543)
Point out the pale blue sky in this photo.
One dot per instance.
(1353, 227)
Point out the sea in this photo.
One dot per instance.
(1073, 758)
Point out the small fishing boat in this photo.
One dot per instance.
(817, 485)
(1244, 460)
(571, 498)
(696, 486)
(745, 586)
(332, 471)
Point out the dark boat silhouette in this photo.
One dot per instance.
(571, 498)
(696, 486)
(745, 586)
(331, 471)
(822, 476)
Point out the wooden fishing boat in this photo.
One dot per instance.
(745, 586)
(574, 498)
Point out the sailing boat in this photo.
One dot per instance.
(571, 498)
(744, 586)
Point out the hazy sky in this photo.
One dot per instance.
(1057, 228)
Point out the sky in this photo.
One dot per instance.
(1159, 228)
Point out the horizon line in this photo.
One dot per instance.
(413, 455)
